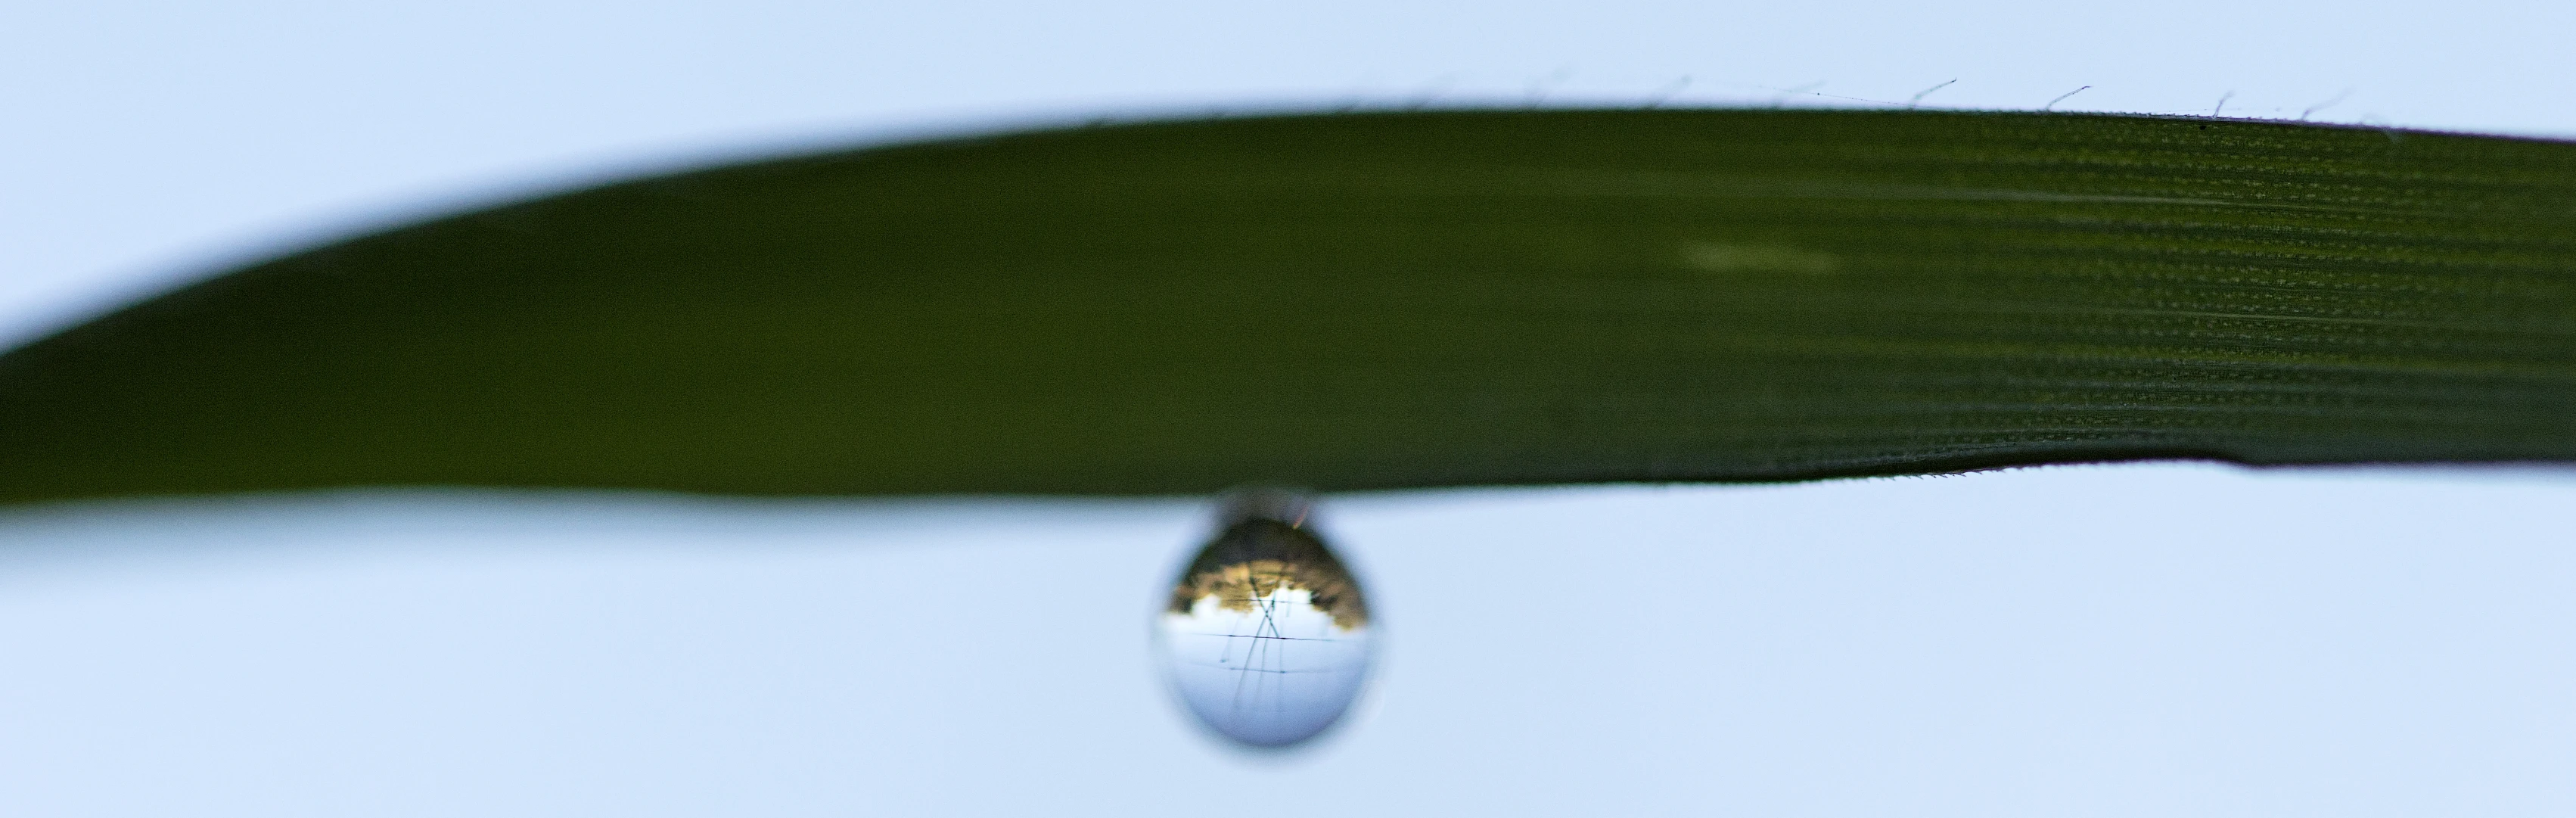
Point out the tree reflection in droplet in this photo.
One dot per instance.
(1266, 635)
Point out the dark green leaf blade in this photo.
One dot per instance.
(1374, 301)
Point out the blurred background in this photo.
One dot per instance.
(2131, 640)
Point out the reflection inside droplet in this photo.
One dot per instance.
(1266, 636)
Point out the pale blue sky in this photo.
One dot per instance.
(2149, 640)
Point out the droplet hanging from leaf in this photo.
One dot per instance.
(1267, 636)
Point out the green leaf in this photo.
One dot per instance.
(1373, 301)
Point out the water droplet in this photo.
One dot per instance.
(1266, 635)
